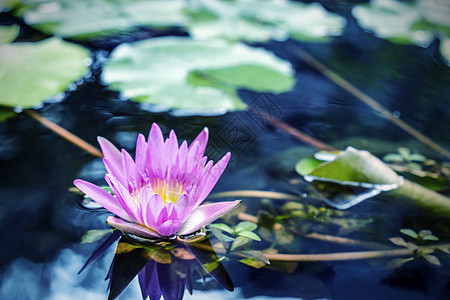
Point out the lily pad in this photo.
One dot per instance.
(84, 19)
(33, 72)
(256, 21)
(197, 77)
(416, 22)
(360, 169)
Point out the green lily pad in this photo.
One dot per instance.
(8, 34)
(6, 113)
(418, 22)
(197, 77)
(84, 19)
(33, 72)
(256, 21)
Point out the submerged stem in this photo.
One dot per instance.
(336, 78)
(65, 134)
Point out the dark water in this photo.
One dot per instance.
(41, 223)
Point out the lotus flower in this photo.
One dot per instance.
(159, 193)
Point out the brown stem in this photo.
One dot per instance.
(254, 194)
(336, 78)
(64, 133)
(297, 133)
(340, 256)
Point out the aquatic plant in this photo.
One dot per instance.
(159, 193)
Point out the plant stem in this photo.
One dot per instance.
(339, 256)
(64, 133)
(296, 133)
(254, 194)
(336, 78)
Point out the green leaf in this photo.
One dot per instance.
(34, 72)
(245, 226)
(398, 241)
(222, 227)
(427, 235)
(397, 262)
(256, 255)
(257, 21)
(8, 33)
(94, 235)
(306, 165)
(167, 71)
(250, 235)
(252, 263)
(410, 233)
(85, 19)
(239, 242)
(432, 260)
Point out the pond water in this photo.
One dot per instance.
(42, 222)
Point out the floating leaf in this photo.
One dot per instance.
(256, 21)
(94, 235)
(198, 77)
(33, 72)
(8, 33)
(416, 23)
(84, 19)
(409, 232)
(306, 165)
(360, 169)
(392, 20)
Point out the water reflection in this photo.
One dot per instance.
(163, 267)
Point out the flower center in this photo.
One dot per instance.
(169, 191)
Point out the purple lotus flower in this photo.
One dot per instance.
(159, 193)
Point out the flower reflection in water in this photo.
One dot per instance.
(164, 268)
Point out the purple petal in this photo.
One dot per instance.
(131, 228)
(102, 197)
(205, 214)
(109, 150)
(131, 172)
(115, 170)
(170, 227)
(125, 199)
(184, 206)
(213, 177)
(141, 153)
(202, 139)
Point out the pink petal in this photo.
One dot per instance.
(170, 227)
(131, 172)
(102, 197)
(131, 228)
(202, 139)
(125, 199)
(110, 151)
(205, 214)
(213, 177)
(184, 206)
(141, 153)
